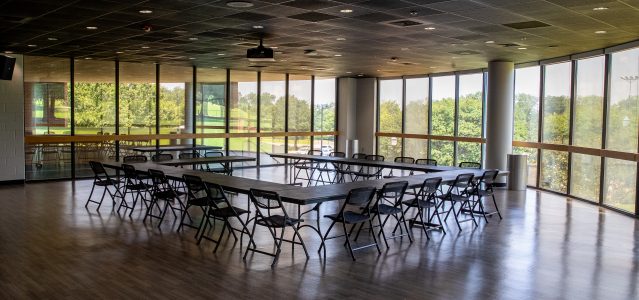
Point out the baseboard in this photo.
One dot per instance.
(12, 182)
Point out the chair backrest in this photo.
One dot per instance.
(98, 169)
(462, 182)
(134, 158)
(375, 157)
(426, 161)
(359, 155)
(215, 194)
(315, 152)
(337, 154)
(488, 178)
(470, 165)
(158, 178)
(430, 185)
(404, 159)
(129, 172)
(361, 196)
(265, 199)
(194, 184)
(213, 154)
(392, 192)
(162, 157)
(187, 155)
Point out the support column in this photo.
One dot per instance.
(347, 118)
(499, 114)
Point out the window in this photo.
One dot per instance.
(94, 101)
(416, 116)
(210, 108)
(624, 99)
(176, 102)
(324, 114)
(554, 170)
(587, 127)
(47, 112)
(137, 104)
(526, 114)
(556, 103)
(243, 115)
(442, 152)
(471, 99)
(272, 115)
(443, 116)
(532, 163)
(299, 112)
(620, 184)
(390, 117)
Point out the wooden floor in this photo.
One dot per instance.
(547, 247)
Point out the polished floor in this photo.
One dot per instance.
(547, 247)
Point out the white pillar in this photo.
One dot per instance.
(346, 118)
(499, 113)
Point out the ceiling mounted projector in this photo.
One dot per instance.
(260, 54)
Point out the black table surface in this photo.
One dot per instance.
(364, 162)
(175, 148)
(206, 160)
(290, 193)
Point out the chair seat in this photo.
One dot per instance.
(350, 217)
(361, 174)
(202, 201)
(227, 212)
(106, 182)
(277, 221)
(385, 209)
(165, 195)
(418, 203)
(453, 197)
(138, 186)
(480, 192)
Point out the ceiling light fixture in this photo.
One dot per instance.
(92, 27)
(32, 45)
(52, 39)
(337, 55)
(601, 31)
(213, 67)
(346, 11)
(191, 58)
(193, 39)
(429, 28)
(87, 58)
(119, 52)
(258, 26)
(405, 49)
(522, 48)
(221, 54)
(146, 11)
(239, 4)
(349, 72)
(599, 8)
(8, 52)
(490, 42)
(340, 39)
(180, 31)
(145, 47)
(360, 75)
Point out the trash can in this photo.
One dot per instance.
(352, 147)
(518, 168)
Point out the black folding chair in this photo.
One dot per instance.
(265, 203)
(134, 158)
(328, 169)
(426, 161)
(223, 169)
(195, 197)
(482, 189)
(163, 190)
(469, 165)
(102, 179)
(220, 208)
(134, 186)
(344, 170)
(459, 192)
(161, 157)
(368, 172)
(361, 198)
(400, 159)
(389, 203)
(307, 166)
(423, 201)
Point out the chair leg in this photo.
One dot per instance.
(90, 194)
(496, 208)
(322, 245)
(251, 240)
(348, 241)
(301, 241)
(219, 241)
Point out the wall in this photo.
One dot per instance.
(12, 125)
(365, 113)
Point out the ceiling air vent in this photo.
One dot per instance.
(526, 25)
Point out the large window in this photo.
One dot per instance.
(272, 115)
(526, 114)
(471, 99)
(243, 115)
(416, 117)
(210, 111)
(443, 119)
(299, 112)
(324, 114)
(587, 127)
(176, 101)
(390, 117)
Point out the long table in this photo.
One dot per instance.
(163, 148)
(206, 160)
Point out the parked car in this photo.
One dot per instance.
(326, 150)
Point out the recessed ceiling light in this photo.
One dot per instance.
(274, 47)
(191, 58)
(599, 8)
(341, 39)
(378, 70)
(119, 52)
(522, 48)
(193, 39)
(32, 45)
(337, 55)
(239, 4)
(145, 47)
(430, 28)
(349, 72)
(360, 75)
(220, 54)
(52, 39)
(346, 11)
(146, 11)
(258, 26)
(490, 42)
(87, 58)
(432, 67)
(405, 49)
(180, 31)
(8, 52)
(601, 31)
(213, 67)
(92, 27)
(413, 13)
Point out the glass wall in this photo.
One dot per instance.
(471, 100)
(443, 119)
(210, 110)
(243, 112)
(176, 102)
(390, 117)
(137, 104)
(416, 121)
(47, 112)
(299, 112)
(324, 109)
(272, 116)
(526, 115)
